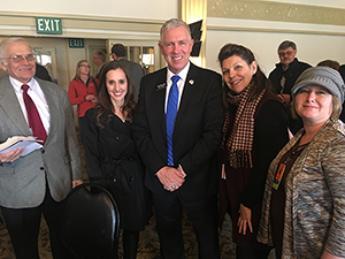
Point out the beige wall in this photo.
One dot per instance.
(319, 32)
(148, 9)
(312, 47)
(98, 23)
(326, 3)
(262, 25)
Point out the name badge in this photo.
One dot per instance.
(278, 176)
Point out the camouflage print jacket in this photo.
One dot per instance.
(314, 218)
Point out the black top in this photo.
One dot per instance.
(246, 185)
(270, 135)
(291, 74)
(278, 198)
(42, 73)
(112, 160)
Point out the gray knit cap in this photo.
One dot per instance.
(323, 76)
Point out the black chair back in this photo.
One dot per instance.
(91, 222)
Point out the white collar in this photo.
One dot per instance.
(182, 74)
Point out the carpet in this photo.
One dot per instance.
(148, 246)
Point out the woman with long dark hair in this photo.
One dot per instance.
(255, 129)
(111, 155)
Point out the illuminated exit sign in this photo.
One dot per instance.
(48, 25)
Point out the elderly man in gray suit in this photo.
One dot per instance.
(34, 184)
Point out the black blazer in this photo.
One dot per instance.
(197, 133)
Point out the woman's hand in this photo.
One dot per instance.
(245, 220)
(327, 255)
(76, 183)
(91, 98)
(223, 176)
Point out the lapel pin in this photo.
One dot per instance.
(160, 86)
(191, 82)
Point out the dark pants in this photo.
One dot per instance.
(202, 215)
(83, 124)
(252, 252)
(23, 227)
(130, 244)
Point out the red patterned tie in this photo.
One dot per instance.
(34, 118)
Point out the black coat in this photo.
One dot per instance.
(291, 74)
(112, 160)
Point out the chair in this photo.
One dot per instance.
(90, 223)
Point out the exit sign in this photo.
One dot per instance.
(48, 25)
(76, 43)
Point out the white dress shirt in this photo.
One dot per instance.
(180, 84)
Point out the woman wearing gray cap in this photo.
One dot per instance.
(303, 213)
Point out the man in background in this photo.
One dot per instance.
(284, 76)
(42, 73)
(134, 70)
(36, 183)
(98, 59)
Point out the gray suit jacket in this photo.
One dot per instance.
(23, 182)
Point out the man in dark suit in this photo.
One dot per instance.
(34, 184)
(134, 70)
(42, 73)
(181, 162)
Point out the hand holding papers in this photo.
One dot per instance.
(27, 144)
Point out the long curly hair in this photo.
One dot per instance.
(105, 108)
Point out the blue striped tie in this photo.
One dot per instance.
(170, 118)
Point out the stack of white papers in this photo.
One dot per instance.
(28, 144)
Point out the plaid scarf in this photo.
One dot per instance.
(239, 144)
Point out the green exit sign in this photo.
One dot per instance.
(76, 43)
(48, 25)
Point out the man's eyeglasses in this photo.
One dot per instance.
(20, 58)
(285, 53)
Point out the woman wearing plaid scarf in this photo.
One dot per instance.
(255, 129)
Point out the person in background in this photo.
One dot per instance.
(284, 76)
(37, 183)
(42, 73)
(135, 71)
(111, 156)
(82, 92)
(255, 129)
(329, 63)
(2, 71)
(341, 68)
(303, 209)
(342, 73)
(177, 128)
(99, 58)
